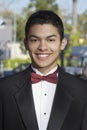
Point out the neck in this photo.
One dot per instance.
(43, 70)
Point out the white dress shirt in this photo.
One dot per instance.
(43, 95)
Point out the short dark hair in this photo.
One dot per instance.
(45, 17)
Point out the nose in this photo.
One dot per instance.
(42, 45)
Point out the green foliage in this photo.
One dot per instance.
(74, 39)
(82, 25)
(20, 28)
(13, 63)
(45, 4)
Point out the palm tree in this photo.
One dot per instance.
(74, 17)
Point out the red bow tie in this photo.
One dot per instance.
(35, 78)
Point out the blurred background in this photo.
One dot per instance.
(13, 16)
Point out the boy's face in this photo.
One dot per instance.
(44, 46)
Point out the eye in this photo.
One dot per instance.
(51, 40)
(33, 40)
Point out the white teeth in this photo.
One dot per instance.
(45, 55)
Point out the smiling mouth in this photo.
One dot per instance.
(43, 56)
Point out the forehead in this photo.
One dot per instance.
(43, 28)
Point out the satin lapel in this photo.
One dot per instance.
(25, 104)
(61, 106)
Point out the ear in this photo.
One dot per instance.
(63, 44)
(26, 44)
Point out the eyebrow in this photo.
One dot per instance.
(39, 37)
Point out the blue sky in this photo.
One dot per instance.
(18, 5)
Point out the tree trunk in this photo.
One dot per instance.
(74, 17)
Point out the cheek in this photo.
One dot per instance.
(55, 48)
(30, 48)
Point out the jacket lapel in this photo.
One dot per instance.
(61, 106)
(25, 104)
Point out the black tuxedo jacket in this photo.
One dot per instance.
(17, 112)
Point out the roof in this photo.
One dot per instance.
(79, 51)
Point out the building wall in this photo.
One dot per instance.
(15, 51)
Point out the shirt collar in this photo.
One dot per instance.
(38, 72)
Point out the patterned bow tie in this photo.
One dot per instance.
(35, 78)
